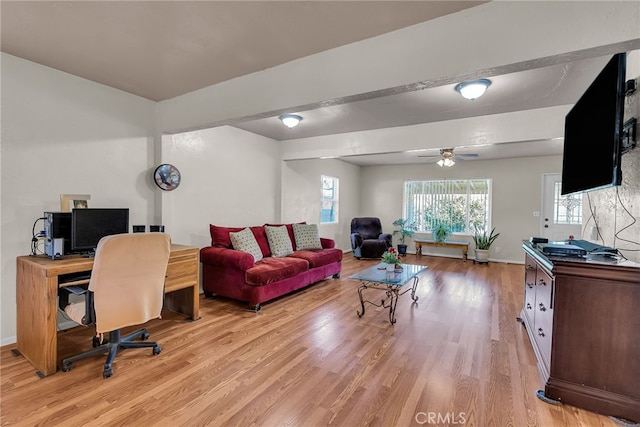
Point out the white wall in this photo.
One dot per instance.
(301, 195)
(517, 193)
(229, 178)
(64, 134)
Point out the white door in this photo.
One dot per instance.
(561, 215)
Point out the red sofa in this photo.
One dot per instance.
(234, 274)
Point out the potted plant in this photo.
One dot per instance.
(440, 232)
(483, 244)
(404, 230)
(391, 259)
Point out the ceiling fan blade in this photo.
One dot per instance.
(468, 155)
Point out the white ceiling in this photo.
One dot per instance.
(162, 49)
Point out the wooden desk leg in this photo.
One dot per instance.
(37, 297)
(465, 249)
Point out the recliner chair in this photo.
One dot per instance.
(126, 288)
(367, 238)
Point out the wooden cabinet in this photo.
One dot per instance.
(583, 321)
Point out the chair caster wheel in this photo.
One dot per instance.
(156, 350)
(66, 367)
(145, 336)
(108, 372)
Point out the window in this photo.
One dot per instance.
(462, 205)
(329, 202)
(567, 209)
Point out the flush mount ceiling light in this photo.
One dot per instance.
(290, 120)
(473, 88)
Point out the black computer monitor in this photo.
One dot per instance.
(90, 225)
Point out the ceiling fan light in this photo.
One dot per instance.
(445, 162)
(473, 89)
(290, 120)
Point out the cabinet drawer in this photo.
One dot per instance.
(544, 290)
(543, 321)
(530, 288)
(542, 333)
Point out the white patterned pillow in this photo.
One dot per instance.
(279, 241)
(245, 241)
(307, 236)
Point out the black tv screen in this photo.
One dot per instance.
(593, 130)
(90, 225)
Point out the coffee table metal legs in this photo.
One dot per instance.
(391, 301)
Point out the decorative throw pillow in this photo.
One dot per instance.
(245, 241)
(307, 236)
(279, 241)
(289, 230)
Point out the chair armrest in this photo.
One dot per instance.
(387, 237)
(226, 258)
(356, 240)
(327, 243)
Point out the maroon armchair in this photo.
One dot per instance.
(367, 238)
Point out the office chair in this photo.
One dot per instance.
(126, 288)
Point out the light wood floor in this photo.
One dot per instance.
(457, 357)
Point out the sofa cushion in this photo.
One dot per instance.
(279, 241)
(271, 270)
(306, 236)
(220, 237)
(318, 257)
(261, 238)
(245, 241)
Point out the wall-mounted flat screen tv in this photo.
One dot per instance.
(593, 132)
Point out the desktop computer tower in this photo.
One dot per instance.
(57, 231)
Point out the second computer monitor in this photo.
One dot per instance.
(90, 225)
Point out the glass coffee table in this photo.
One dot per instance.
(394, 283)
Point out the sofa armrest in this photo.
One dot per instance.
(327, 243)
(226, 258)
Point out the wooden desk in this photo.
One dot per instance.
(37, 282)
(446, 244)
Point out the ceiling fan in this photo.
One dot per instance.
(447, 158)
